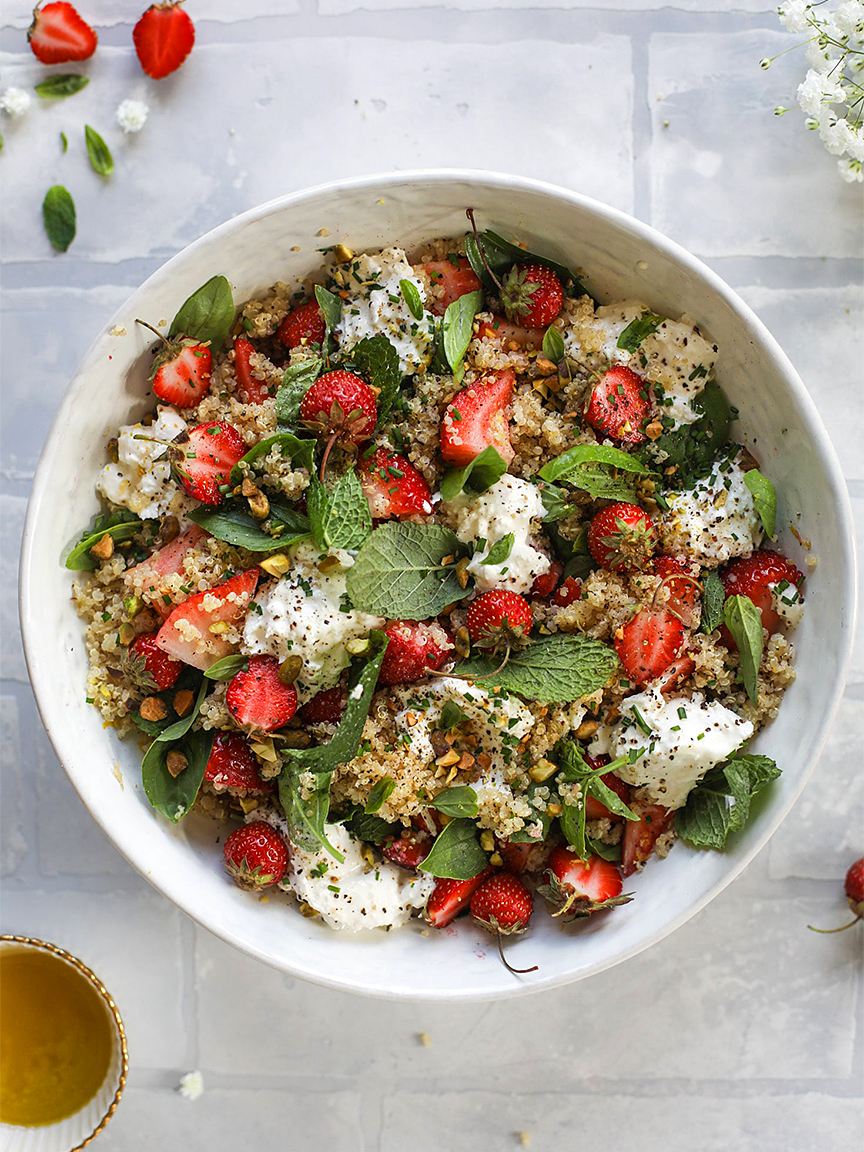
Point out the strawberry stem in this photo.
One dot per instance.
(506, 962)
(471, 679)
(326, 455)
(828, 931)
(469, 212)
(155, 331)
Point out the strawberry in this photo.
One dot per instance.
(408, 850)
(676, 673)
(256, 856)
(163, 38)
(513, 337)
(502, 904)
(476, 418)
(232, 767)
(304, 325)
(453, 277)
(151, 669)
(854, 889)
(450, 897)
(680, 594)
(327, 707)
(753, 576)
(546, 584)
(414, 648)
(341, 407)
(257, 698)
(392, 485)
(205, 461)
(59, 35)
(499, 619)
(649, 643)
(181, 370)
(250, 389)
(569, 592)
(577, 887)
(192, 633)
(639, 836)
(594, 810)
(618, 405)
(150, 575)
(514, 855)
(532, 295)
(622, 537)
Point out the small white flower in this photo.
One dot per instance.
(132, 115)
(849, 18)
(793, 15)
(15, 102)
(851, 171)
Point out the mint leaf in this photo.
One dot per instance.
(339, 518)
(228, 667)
(98, 152)
(290, 445)
(721, 803)
(485, 469)
(307, 816)
(296, 382)
(713, 599)
(558, 502)
(500, 550)
(58, 216)
(380, 792)
(456, 853)
(457, 328)
(231, 524)
(691, 449)
(638, 329)
(62, 85)
(207, 315)
(553, 345)
(173, 796)
(764, 497)
(744, 621)
(460, 800)
(119, 525)
(378, 360)
(568, 464)
(554, 669)
(331, 310)
(412, 298)
(399, 573)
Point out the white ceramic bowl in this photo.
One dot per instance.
(279, 241)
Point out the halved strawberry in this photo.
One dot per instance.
(453, 278)
(408, 850)
(414, 648)
(619, 404)
(753, 576)
(477, 417)
(163, 38)
(181, 372)
(576, 888)
(649, 643)
(546, 584)
(326, 707)
(194, 631)
(207, 458)
(676, 673)
(250, 389)
(232, 767)
(303, 325)
(149, 575)
(513, 337)
(58, 34)
(450, 897)
(514, 855)
(257, 698)
(392, 485)
(639, 836)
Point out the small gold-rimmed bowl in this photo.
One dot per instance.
(76, 1131)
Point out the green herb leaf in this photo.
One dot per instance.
(720, 805)
(101, 160)
(398, 572)
(173, 796)
(180, 727)
(692, 448)
(458, 801)
(610, 852)
(553, 345)
(381, 791)
(572, 822)
(501, 254)
(500, 550)
(764, 497)
(231, 524)
(606, 795)
(61, 85)
(307, 816)
(713, 598)
(372, 829)
(456, 853)
(339, 518)
(378, 361)
(568, 464)
(58, 216)
(458, 327)
(554, 669)
(296, 382)
(451, 716)
(601, 484)
(744, 621)
(207, 315)
(64, 143)
(558, 502)
(291, 445)
(331, 310)
(120, 526)
(638, 329)
(228, 667)
(412, 298)
(485, 469)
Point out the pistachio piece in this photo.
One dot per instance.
(176, 762)
(152, 708)
(183, 700)
(103, 549)
(289, 669)
(276, 565)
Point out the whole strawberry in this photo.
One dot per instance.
(163, 38)
(532, 295)
(148, 667)
(304, 325)
(415, 647)
(340, 407)
(499, 620)
(854, 889)
(622, 537)
(255, 855)
(503, 904)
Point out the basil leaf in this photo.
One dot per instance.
(339, 518)
(713, 598)
(61, 85)
(372, 829)
(302, 450)
(228, 667)
(500, 550)
(398, 572)
(485, 469)
(173, 796)
(610, 852)
(180, 727)
(721, 803)
(567, 465)
(207, 315)
(502, 254)
(458, 327)
(234, 526)
(378, 361)
(307, 816)
(58, 216)
(601, 484)
(120, 526)
(553, 345)
(101, 160)
(554, 669)
(412, 298)
(456, 853)
(460, 800)
(764, 497)
(572, 822)
(690, 450)
(296, 382)
(381, 791)
(331, 310)
(744, 621)
(558, 503)
(608, 796)
(638, 329)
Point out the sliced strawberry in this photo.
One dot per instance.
(327, 707)
(513, 337)
(59, 35)
(232, 767)
(514, 855)
(576, 888)
(649, 643)
(207, 458)
(181, 373)
(257, 698)
(393, 486)
(753, 576)
(569, 592)
(450, 897)
(150, 574)
(477, 418)
(639, 836)
(303, 325)
(414, 648)
(677, 673)
(163, 38)
(408, 850)
(452, 279)
(546, 584)
(192, 632)
(250, 389)
(680, 594)
(619, 404)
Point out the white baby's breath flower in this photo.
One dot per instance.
(849, 18)
(793, 15)
(132, 115)
(851, 172)
(15, 102)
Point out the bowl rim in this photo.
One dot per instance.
(823, 448)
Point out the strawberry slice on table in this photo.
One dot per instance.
(250, 389)
(207, 458)
(532, 295)
(453, 278)
(150, 575)
(649, 643)
(257, 698)
(476, 418)
(195, 630)
(408, 850)
(181, 373)
(414, 648)
(232, 767)
(513, 337)
(163, 38)
(622, 537)
(618, 405)
(304, 325)
(392, 485)
(148, 666)
(255, 855)
(639, 836)
(576, 888)
(59, 35)
(753, 576)
(450, 897)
